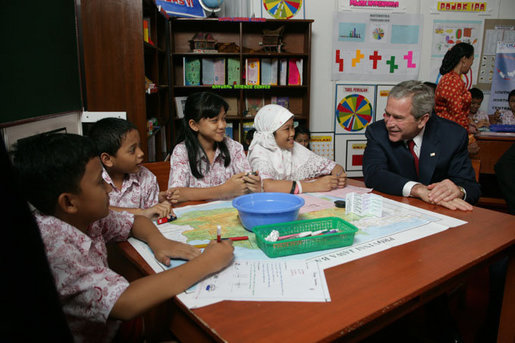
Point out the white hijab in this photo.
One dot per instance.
(268, 120)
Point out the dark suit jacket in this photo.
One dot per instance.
(387, 166)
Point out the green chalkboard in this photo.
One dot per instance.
(39, 59)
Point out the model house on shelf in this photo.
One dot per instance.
(273, 40)
(203, 42)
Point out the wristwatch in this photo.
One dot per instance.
(463, 191)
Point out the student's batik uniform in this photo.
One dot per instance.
(507, 117)
(87, 287)
(217, 174)
(139, 190)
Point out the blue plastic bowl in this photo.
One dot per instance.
(267, 208)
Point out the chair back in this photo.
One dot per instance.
(476, 165)
(162, 172)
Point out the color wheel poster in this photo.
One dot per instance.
(376, 46)
(355, 108)
(283, 9)
(446, 34)
(354, 111)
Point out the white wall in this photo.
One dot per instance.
(322, 87)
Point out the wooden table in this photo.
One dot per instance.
(366, 294)
(492, 145)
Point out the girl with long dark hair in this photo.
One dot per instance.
(206, 164)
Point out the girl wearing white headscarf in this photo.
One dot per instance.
(284, 164)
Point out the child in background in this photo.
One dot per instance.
(61, 176)
(506, 117)
(302, 136)
(248, 138)
(134, 187)
(207, 165)
(478, 118)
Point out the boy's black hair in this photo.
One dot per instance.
(108, 134)
(199, 106)
(51, 164)
(476, 93)
(512, 93)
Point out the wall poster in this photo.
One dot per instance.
(376, 46)
(446, 34)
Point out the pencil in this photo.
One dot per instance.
(200, 246)
(241, 238)
(234, 239)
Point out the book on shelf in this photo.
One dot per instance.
(253, 105)
(233, 106)
(283, 71)
(191, 71)
(233, 71)
(208, 71)
(219, 71)
(180, 103)
(269, 67)
(252, 71)
(213, 71)
(295, 71)
(146, 30)
(229, 130)
(284, 101)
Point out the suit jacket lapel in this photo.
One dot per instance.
(429, 152)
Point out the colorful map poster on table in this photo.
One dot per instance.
(400, 223)
(376, 46)
(446, 34)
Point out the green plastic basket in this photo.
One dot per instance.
(344, 236)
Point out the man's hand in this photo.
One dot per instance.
(420, 191)
(423, 192)
(456, 204)
(444, 190)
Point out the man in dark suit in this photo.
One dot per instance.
(413, 152)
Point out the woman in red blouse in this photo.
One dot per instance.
(452, 98)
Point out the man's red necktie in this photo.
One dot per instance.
(411, 146)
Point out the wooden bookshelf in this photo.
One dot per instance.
(246, 35)
(116, 60)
